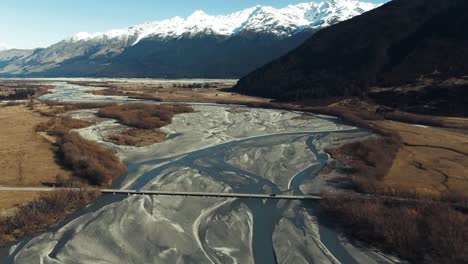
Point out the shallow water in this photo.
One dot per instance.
(286, 158)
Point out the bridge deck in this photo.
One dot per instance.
(169, 193)
(215, 195)
(460, 205)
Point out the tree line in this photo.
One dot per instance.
(18, 94)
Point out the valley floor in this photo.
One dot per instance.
(220, 148)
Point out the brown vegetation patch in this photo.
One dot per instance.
(145, 116)
(133, 95)
(77, 106)
(55, 108)
(369, 159)
(422, 233)
(237, 110)
(89, 160)
(137, 137)
(61, 125)
(41, 213)
(107, 92)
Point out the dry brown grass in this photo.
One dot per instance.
(26, 158)
(41, 213)
(431, 159)
(11, 199)
(421, 233)
(89, 160)
(145, 116)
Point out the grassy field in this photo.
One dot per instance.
(12, 199)
(28, 159)
(432, 159)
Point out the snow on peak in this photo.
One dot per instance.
(260, 19)
(3, 47)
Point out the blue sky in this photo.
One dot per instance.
(39, 23)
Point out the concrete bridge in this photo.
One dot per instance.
(170, 193)
(212, 195)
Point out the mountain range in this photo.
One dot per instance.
(200, 45)
(397, 44)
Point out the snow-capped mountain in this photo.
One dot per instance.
(3, 47)
(200, 45)
(260, 19)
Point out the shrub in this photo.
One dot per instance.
(420, 232)
(41, 213)
(145, 116)
(137, 137)
(62, 125)
(89, 160)
(370, 159)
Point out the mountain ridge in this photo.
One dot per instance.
(166, 48)
(265, 19)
